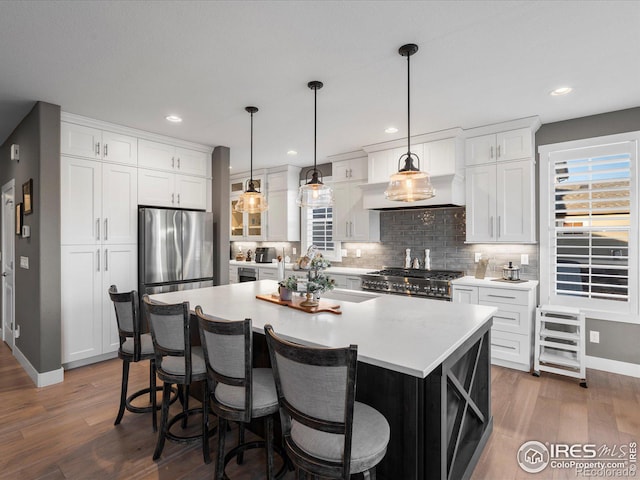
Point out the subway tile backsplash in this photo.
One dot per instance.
(442, 231)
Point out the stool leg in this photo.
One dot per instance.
(185, 406)
(164, 420)
(240, 456)
(222, 429)
(123, 391)
(205, 424)
(268, 427)
(152, 394)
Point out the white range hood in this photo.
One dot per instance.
(449, 190)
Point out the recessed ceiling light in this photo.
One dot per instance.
(292, 152)
(391, 130)
(560, 91)
(173, 118)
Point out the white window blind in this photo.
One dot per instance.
(592, 227)
(318, 230)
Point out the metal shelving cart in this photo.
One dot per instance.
(560, 342)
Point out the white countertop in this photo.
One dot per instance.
(404, 334)
(289, 266)
(495, 283)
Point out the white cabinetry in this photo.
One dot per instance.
(501, 202)
(161, 156)
(283, 216)
(267, 273)
(246, 226)
(384, 163)
(350, 282)
(351, 221)
(513, 324)
(500, 185)
(82, 141)
(165, 189)
(233, 274)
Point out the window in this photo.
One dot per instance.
(589, 208)
(317, 229)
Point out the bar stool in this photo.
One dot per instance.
(177, 362)
(326, 432)
(134, 347)
(239, 392)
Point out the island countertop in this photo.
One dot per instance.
(404, 334)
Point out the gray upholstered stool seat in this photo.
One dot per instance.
(175, 365)
(146, 345)
(368, 445)
(265, 398)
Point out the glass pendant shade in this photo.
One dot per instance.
(409, 184)
(251, 201)
(314, 193)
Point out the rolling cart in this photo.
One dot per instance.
(559, 342)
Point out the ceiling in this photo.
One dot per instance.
(480, 62)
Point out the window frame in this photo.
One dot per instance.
(628, 311)
(305, 242)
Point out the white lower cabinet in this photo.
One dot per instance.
(89, 325)
(268, 274)
(513, 323)
(165, 189)
(350, 282)
(233, 274)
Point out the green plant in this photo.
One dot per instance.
(290, 283)
(320, 283)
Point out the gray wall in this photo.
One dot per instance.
(37, 290)
(220, 208)
(618, 341)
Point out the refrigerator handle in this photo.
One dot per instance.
(98, 256)
(98, 229)
(106, 259)
(106, 229)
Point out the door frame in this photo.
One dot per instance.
(7, 237)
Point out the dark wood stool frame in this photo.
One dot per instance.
(181, 309)
(242, 416)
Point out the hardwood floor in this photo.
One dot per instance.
(66, 431)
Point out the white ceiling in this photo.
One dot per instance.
(480, 62)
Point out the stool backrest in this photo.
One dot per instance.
(170, 331)
(316, 387)
(127, 317)
(228, 352)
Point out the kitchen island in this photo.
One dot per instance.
(424, 364)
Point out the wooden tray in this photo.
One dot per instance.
(295, 303)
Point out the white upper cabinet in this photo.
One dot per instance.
(384, 163)
(94, 143)
(165, 189)
(283, 216)
(161, 156)
(347, 170)
(351, 222)
(499, 147)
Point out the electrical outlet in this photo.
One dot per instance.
(358, 253)
(478, 256)
(294, 250)
(594, 336)
(524, 259)
(24, 262)
(343, 252)
(16, 332)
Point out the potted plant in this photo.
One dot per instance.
(287, 287)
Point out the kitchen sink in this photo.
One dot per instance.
(352, 296)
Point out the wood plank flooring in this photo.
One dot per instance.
(66, 431)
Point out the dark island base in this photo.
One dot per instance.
(439, 424)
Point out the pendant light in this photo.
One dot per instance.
(314, 193)
(251, 201)
(409, 184)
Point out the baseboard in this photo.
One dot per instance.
(39, 379)
(88, 361)
(613, 366)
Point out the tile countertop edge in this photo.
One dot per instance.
(489, 282)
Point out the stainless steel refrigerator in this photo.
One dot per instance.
(175, 250)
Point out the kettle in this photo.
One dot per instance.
(511, 272)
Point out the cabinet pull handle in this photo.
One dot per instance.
(498, 151)
(491, 227)
(172, 198)
(178, 163)
(464, 289)
(500, 296)
(106, 229)
(178, 199)
(106, 150)
(491, 154)
(98, 256)
(98, 229)
(498, 229)
(106, 259)
(173, 160)
(503, 346)
(98, 148)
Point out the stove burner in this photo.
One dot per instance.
(425, 283)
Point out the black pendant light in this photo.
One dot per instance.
(251, 201)
(314, 193)
(409, 184)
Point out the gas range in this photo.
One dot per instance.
(434, 284)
